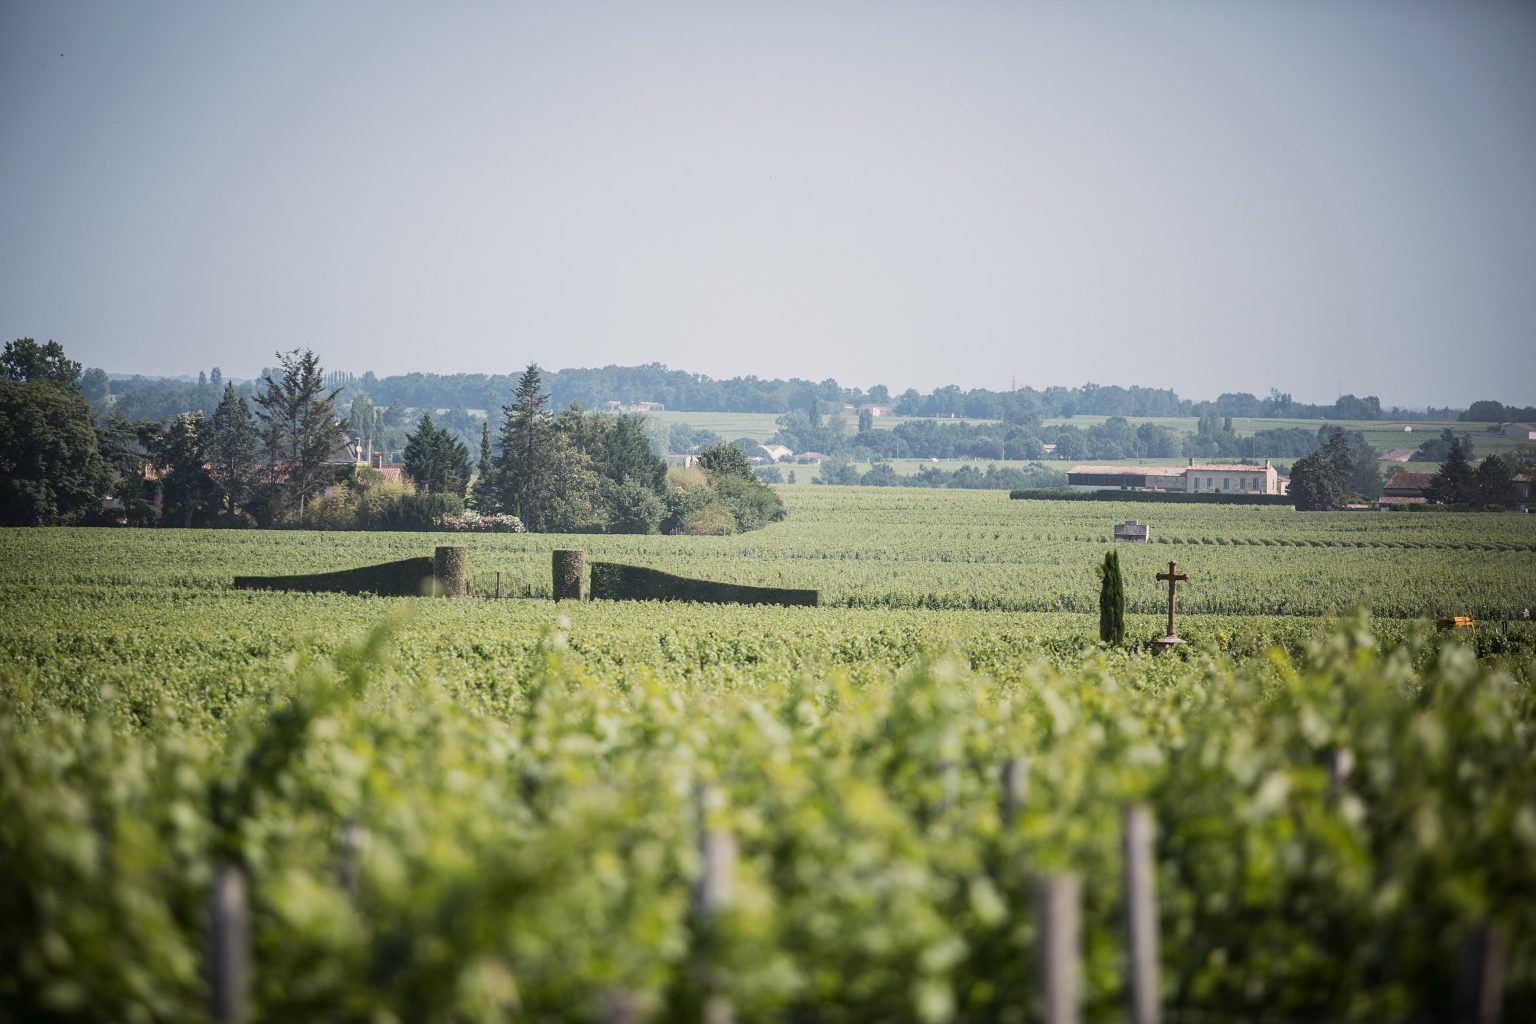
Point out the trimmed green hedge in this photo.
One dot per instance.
(1175, 497)
(409, 577)
(614, 582)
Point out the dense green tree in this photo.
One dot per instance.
(1453, 484)
(725, 460)
(627, 455)
(1315, 486)
(1111, 600)
(188, 491)
(526, 443)
(94, 385)
(866, 420)
(1493, 484)
(636, 508)
(234, 448)
(437, 461)
(26, 360)
(301, 429)
(1365, 472)
(51, 467)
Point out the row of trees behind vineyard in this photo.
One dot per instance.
(1342, 471)
(680, 390)
(287, 462)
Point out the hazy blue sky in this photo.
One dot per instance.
(1211, 196)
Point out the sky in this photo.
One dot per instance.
(1315, 196)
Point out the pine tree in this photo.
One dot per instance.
(436, 460)
(300, 428)
(525, 441)
(1111, 600)
(232, 448)
(1452, 484)
(1494, 483)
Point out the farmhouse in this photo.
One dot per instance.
(1195, 478)
(776, 452)
(1141, 478)
(1234, 478)
(1524, 431)
(348, 453)
(1405, 489)
(391, 470)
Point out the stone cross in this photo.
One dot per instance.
(1174, 577)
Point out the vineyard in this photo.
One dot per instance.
(486, 809)
(909, 548)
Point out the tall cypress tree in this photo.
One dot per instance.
(1111, 600)
(483, 496)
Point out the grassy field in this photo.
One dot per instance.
(470, 809)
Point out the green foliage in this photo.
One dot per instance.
(635, 509)
(51, 468)
(299, 426)
(233, 447)
(26, 360)
(436, 460)
(1111, 600)
(725, 460)
(1493, 485)
(706, 521)
(180, 453)
(614, 582)
(423, 850)
(370, 501)
(408, 577)
(1453, 483)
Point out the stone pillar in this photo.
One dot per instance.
(448, 569)
(570, 570)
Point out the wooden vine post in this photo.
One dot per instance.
(229, 946)
(712, 896)
(569, 569)
(1141, 916)
(1058, 900)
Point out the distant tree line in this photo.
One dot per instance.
(1489, 411)
(280, 455)
(841, 472)
(1344, 469)
(678, 390)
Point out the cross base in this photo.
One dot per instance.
(1166, 643)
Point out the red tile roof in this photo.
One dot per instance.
(1401, 481)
